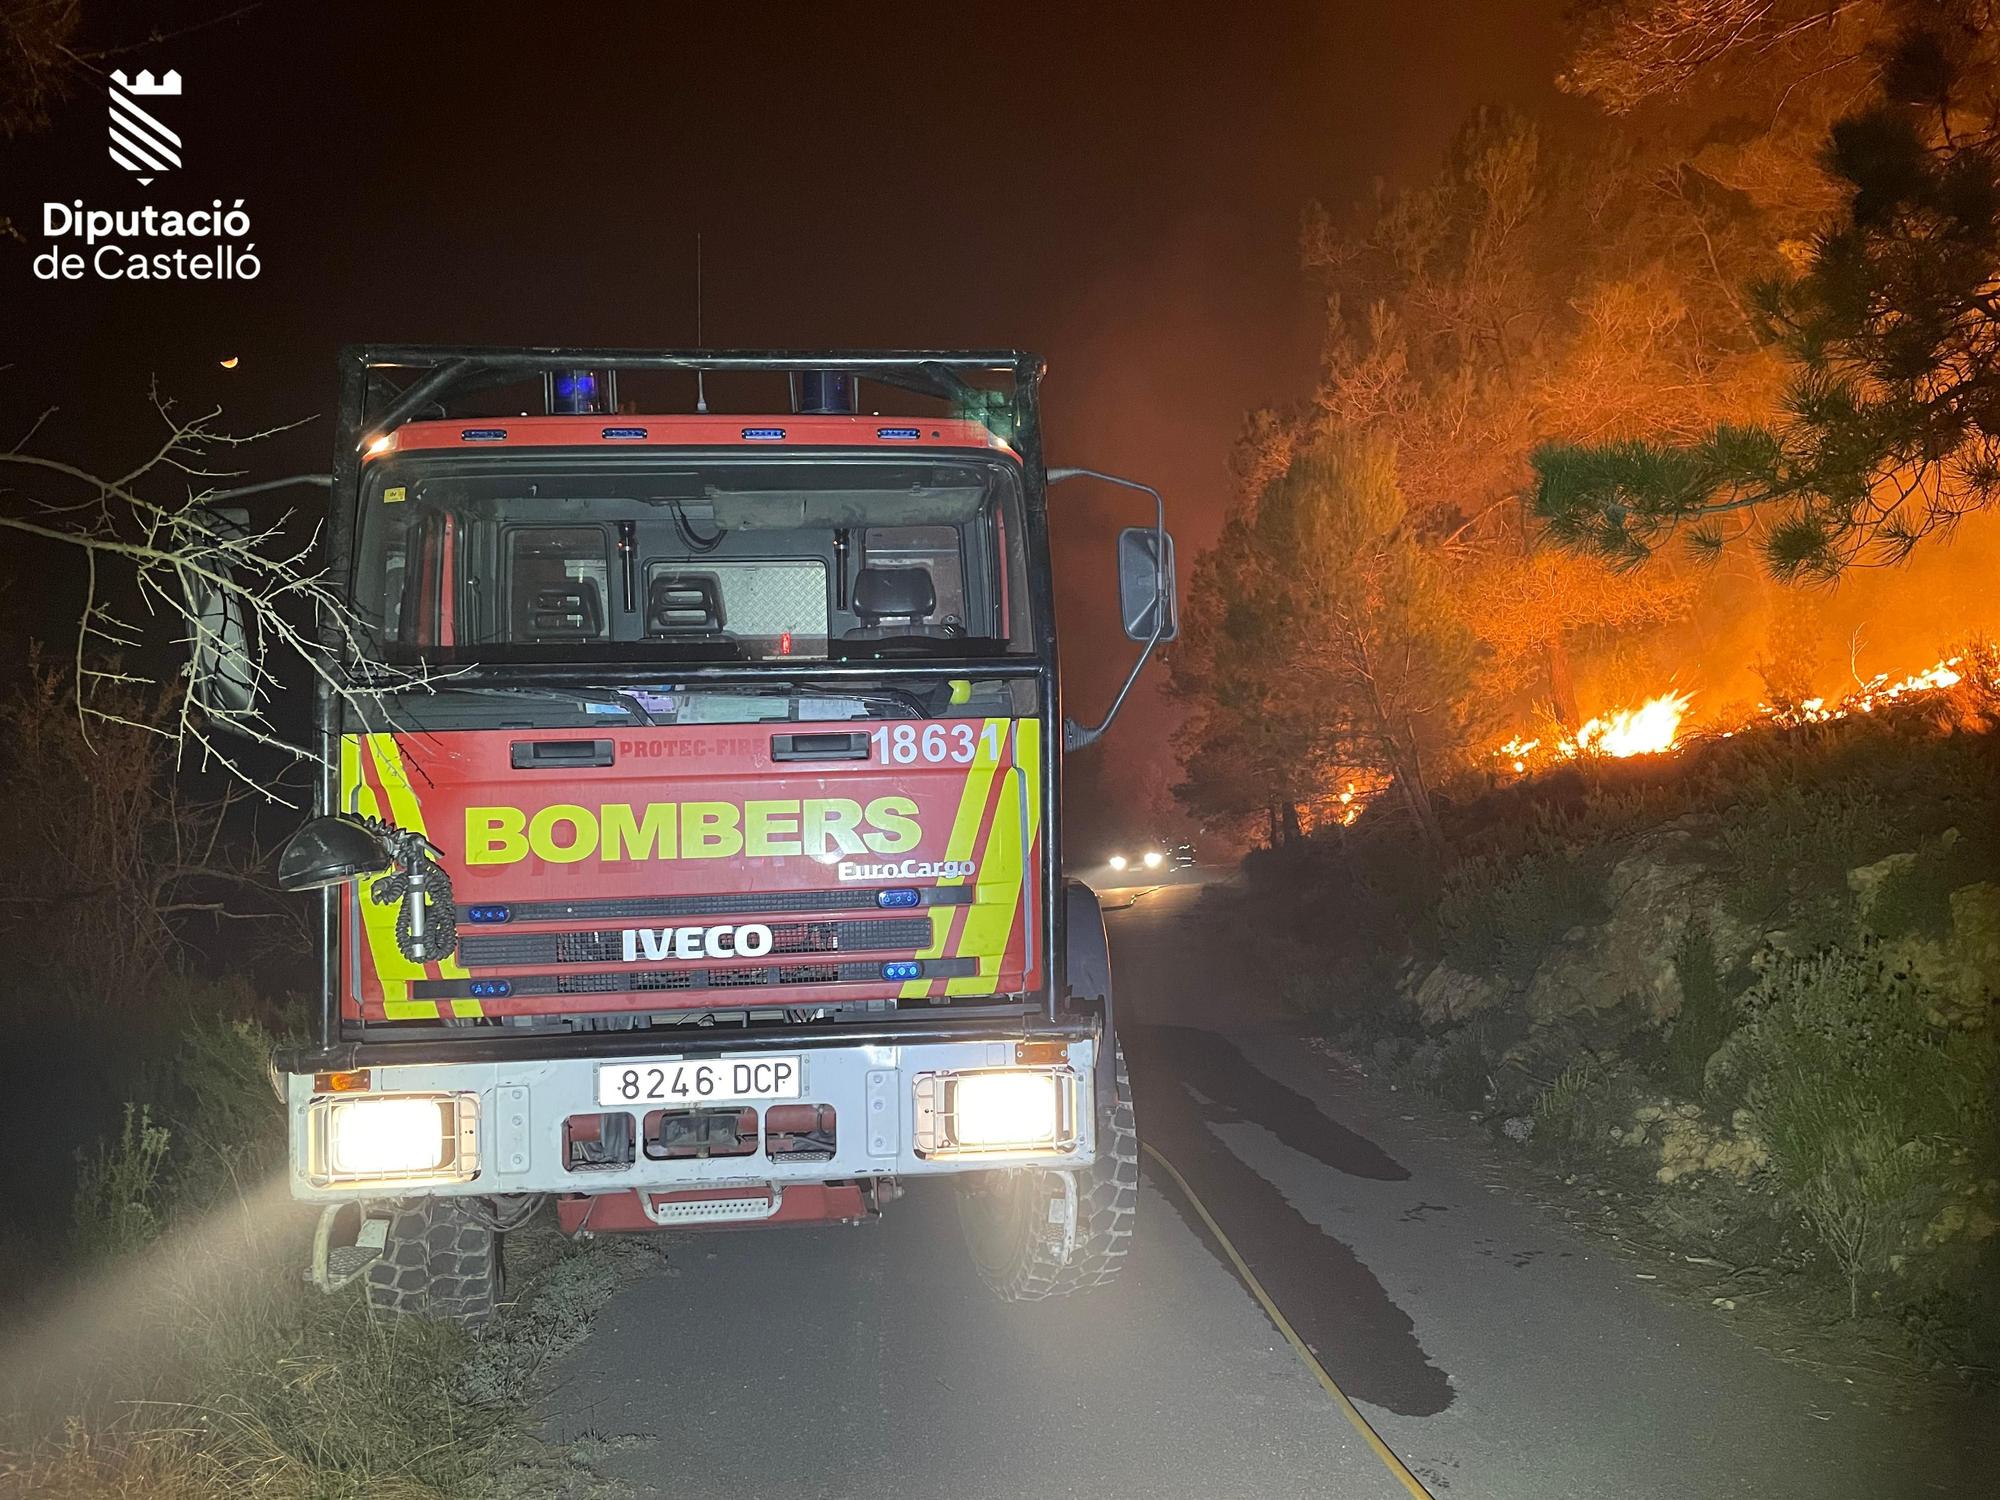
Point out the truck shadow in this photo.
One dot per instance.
(1183, 1081)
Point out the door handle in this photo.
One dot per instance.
(841, 746)
(560, 755)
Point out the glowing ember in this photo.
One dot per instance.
(1650, 729)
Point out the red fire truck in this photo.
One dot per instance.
(688, 845)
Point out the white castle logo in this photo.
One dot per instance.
(140, 143)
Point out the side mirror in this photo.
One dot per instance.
(330, 851)
(1145, 594)
(1146, 584)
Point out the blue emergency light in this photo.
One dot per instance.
(902, 968)
(901, 895)
(580, 393)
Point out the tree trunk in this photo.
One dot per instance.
(1417, 798)
(1562, 686)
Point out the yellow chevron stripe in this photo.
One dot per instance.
(1016, 821)
(964, 831)
(378, 922)
(983, 934)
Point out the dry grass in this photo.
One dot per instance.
(204, 1366)
(187, 1358)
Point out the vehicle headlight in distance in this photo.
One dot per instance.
(1154, 859)
(1118, 861)
(379, 1138)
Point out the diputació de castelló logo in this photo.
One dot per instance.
(123, 244)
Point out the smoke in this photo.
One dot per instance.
(1750, 640)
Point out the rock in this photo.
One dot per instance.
(1866, 881)
(1741, 1121)
(1647, 1112)
(1975, 948)
(1518, 1128)
(1781, 942)
(1687, 1111)
(1447, 995)
(1688, 1146)
(1630, 955)
(1970, 1221)
(1731, 939)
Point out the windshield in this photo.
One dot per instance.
(690, 558)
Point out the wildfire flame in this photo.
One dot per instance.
(1650, 729)
(1873, 693)
(1654, 727)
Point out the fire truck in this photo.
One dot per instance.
(688, 847)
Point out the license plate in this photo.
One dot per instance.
(716, 1080)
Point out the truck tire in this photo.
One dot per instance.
(1006, 1215)
(440, 1261)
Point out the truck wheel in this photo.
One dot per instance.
(1013, 1218)
(440, 1261)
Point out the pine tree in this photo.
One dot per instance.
(1890, 430)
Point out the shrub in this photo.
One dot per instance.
(1872, 1113)
(1706, 1018)
(1915, 900)
(1499, 915)
(1574, 1114)
(1462, 1069)
(118, 1204)
(225, 1107)
(1792, 849)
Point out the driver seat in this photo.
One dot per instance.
(891, 602)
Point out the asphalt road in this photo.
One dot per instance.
(1496, 1352)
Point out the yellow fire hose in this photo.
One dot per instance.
(1369, 1435)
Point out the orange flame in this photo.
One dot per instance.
(1652, 728)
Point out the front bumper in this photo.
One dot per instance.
(517, 1141)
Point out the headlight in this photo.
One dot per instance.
(1154, 859)
(1004, 1109)
(379, 1138)
(1118, 861)
(996, 1112)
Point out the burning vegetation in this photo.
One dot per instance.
(1591, 403)
(1662, 725)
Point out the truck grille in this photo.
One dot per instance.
(721, 904)
(607, 945)
(653, 981)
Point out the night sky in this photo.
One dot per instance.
(1116, 188)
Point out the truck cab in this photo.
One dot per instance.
(688, 830)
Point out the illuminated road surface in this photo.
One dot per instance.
(1499, 1355)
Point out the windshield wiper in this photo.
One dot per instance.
(969, 646)
(902, 698)
(625, 702)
